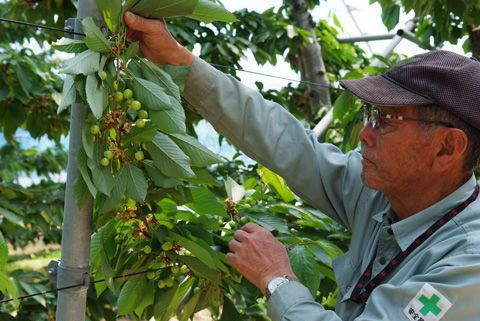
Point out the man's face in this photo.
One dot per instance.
(397, 154)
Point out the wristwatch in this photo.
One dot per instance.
(277, 281)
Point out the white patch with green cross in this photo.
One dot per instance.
(427, 305)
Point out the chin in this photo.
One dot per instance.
(368, 181)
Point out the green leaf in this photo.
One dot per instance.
(208, 11)
(190, 306)
(14, 218)
(7, 286)
(148, 298)
(83, 168)
(158, 178)
(103, 178)
(111, 11)
(132, 51)
(131, 295)
(157, 75)
(95, 40)
(269, 221)
(81, 194)
(116, 195)
(70, 45)
(163, 303)
(168, 157)
(150, 94)
(136, 184)
(164, 8)
(96, 95)
(179, 74)
(200, 156)
(201, 269)
(171, 120)
(85, 63)
(69, 94)
(343, 104)
(179, 295)
(305, 268)
(203, 177)
(88, 139)
(277, 183)
(141, 135)
(229, 311)
(205, 202)
(391, 16)
(3, 253)
(80, 84)
(25, 78)
(196, 249)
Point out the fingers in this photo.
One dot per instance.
(240, 235)
(234, 246)
(137, 23)
(251, 227)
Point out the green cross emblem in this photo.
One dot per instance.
(430, 305)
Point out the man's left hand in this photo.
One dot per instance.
(258, 255)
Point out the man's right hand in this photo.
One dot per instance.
(156, 42)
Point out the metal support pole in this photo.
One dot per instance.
(322, 126)
(366, 38)
(74, 264)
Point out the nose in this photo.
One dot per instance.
(367, 135)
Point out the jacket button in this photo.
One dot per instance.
(382, 260)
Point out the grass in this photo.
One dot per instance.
(33, 258)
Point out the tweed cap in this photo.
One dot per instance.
(440, 77)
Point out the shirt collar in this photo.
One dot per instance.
(410, 228)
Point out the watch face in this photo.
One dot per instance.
(275, 282)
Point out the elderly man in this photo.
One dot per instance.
(410, 198)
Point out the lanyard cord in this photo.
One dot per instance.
(364, 287)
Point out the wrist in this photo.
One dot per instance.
(183, 57)
(277, 282)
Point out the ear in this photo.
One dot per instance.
(453, 144)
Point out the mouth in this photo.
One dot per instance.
(366, 160)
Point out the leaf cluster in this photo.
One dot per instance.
(442, 20)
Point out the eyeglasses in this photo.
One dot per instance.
(373, 116)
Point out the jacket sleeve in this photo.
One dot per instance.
(319, 173)
(293, 302)
(446, 292)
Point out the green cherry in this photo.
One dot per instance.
(161, 284)
(94, 130)
(167, 246)
(147, 249)
(150, 275)
(127, 94)
(118, 96)
(105, 162)
(139, 155)
(142, 114)
(232, 224)
(244, 220)
(108, 154)
(140, 123)
(136, 105)
(104, 75)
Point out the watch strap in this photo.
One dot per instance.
(269, 290)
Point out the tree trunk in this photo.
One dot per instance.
(312, 65)
(474, 36)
